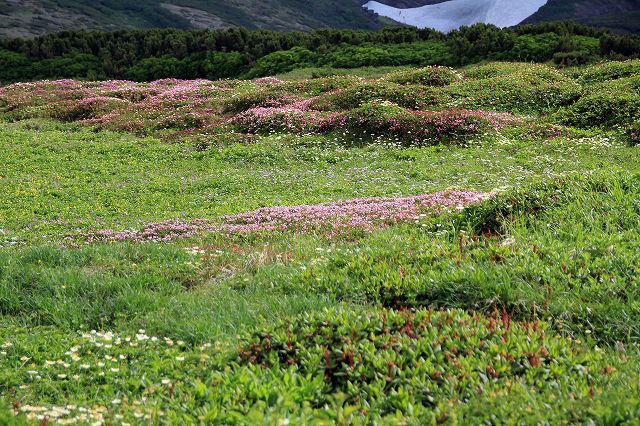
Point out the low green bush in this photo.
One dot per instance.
(251, 97)
(497, 69)
(538, 90)
(429, 76)
(320, 85)
(413, 97)
(608, 71)
(609, 104)
(384, 119)
(87, 108)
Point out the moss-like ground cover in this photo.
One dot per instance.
(429, 246)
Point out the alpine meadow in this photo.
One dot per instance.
(395, 227)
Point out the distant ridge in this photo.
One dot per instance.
(618, 15)
(29, 18)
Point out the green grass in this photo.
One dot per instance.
(522, 309)
(64, 179)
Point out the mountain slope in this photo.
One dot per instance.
(26, 18)
(619, 15)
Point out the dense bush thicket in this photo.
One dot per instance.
(145, 55)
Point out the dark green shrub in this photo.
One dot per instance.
(156, 68)
(281, 62)
(535, 47)
(14, 66)
(572, 58)
(413, 97)
(224, 64)
(577, 50)
(429, 52)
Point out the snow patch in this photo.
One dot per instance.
(453, 14)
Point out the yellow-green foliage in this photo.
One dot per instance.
(608, 71)
(429, 76)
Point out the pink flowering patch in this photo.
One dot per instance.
(360, 213)
(157, 231)
(176, 109)
(423, 127)
(295, 117)
(119, 105)
(363, 214)
(374, 119)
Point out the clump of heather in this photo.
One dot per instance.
(423, 127)
(164, 231)
(498, 69)
(292, 118)
(361, 214)
(141, 108)
(252, 97)
(412, 97)
(92, 107)
(374, 119)
(541, 131)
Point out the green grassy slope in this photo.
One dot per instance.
(131, 291)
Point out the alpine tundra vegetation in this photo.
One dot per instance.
(413, 245)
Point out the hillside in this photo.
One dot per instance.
(619, 15)
(28, 18)
(36, 17)
(424, 246)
